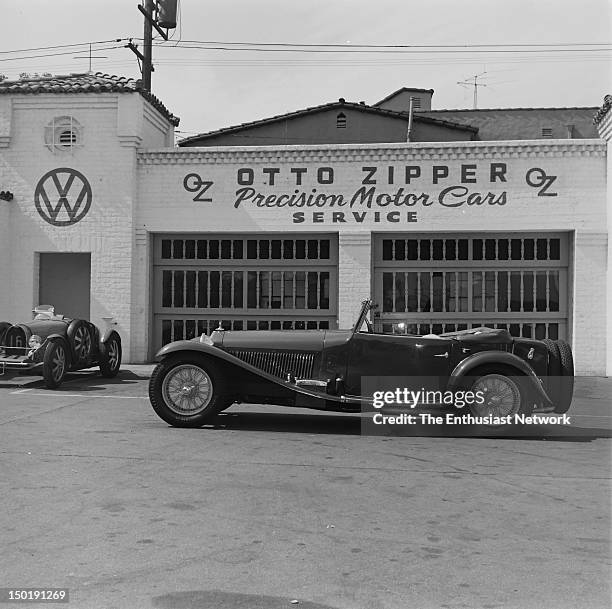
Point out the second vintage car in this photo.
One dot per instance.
(52, 345)
(325, 369)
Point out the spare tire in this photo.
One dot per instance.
(560, 374)
(566, 379)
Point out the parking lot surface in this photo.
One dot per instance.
(271, 508)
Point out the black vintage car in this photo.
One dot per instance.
(324, 369)
(52, 345)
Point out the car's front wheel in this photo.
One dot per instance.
(55, 362)
(186, 391)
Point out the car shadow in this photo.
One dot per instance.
(88, 380)
(324, 423)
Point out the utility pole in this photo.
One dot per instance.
(474, 84)
(157, 15)
(147, 62)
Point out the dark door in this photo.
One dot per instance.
(427, 361)
(65, 283)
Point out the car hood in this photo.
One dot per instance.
(45, 327)
(292, 340)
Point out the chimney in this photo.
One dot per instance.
(400, 100)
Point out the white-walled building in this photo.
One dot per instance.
(108, 219)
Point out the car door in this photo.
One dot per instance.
(425, 362)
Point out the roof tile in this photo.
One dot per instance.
(84, 83)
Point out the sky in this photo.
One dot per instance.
(211, 89)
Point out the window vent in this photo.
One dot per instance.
(63, 134)
(416, 103)
(341, 121)
(547, 132)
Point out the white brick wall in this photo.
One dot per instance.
(579, 168)
(354, 275)
(590, 295)
(113, 126)
(605, 130)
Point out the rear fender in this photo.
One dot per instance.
(108, 333)
(498, 358)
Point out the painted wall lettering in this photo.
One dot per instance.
(192, 182)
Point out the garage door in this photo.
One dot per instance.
(247, 282)
(443, 283)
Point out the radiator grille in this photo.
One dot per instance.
(299, 364)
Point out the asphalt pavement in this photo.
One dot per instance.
(270, 508)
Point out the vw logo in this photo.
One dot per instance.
(63, 196)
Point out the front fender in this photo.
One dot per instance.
(192, 346)
(497, 358)
(65, 341)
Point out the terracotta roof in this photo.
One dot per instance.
(361, 107)
(607, 104)
(84, 83)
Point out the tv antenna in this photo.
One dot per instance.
(90, 57)
(472, 81)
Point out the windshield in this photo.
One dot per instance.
(366, 306)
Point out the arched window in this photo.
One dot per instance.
(341, 121)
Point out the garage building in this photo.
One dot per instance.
(448, 219)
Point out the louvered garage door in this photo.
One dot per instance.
(444, 283)
(244, 282)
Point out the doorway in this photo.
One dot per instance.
(65, 283)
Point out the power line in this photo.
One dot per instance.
(257, 49)
(400, 46)
(57, 54)
(63, 46)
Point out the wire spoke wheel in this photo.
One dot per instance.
(187, 390)
(501, 394)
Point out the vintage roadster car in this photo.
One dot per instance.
(325, 369)
(52, 345)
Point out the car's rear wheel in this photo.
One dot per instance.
(110, 356)
(500, 395)
(187, 390)
(79, 334)
(55, 362)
